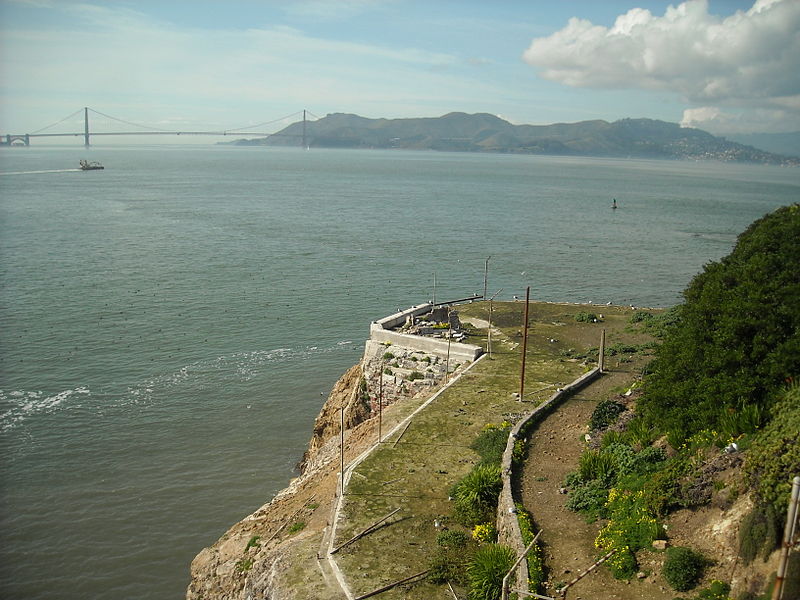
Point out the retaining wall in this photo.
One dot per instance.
(507, 524)
(381, 331)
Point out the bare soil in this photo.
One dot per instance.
(554, 448)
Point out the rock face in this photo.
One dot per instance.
(252, 559)
(350, 393)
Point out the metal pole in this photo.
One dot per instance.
(788, 535)
(449, 338)
(602, 358)
(380, 403)
(485, 275)
(434, 288)
(524, 344)
(489, 331)
(341, 449)
(86, 126)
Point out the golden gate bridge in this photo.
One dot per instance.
(24, 139)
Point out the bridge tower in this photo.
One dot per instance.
(86, 126)
(305, 146)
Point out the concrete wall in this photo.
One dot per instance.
(380, 331)
(507, 524)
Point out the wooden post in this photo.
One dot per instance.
(524, 344)
(602, 358)
(485, 275)
(504, 588)
(788, 538)
(489, 332)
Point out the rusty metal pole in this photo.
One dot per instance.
(341, 448)
(524, 344)
(601, 360)
(788, 535)
(380, 403)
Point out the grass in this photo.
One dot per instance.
(434, 453)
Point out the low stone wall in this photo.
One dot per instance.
(380, 331)
(507, 524)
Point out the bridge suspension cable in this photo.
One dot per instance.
(57, 122)
(129, 122)
(294, 114)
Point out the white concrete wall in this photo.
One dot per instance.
(379, 331)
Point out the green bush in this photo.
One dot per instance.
(605, 413)
(588, 498)
(451, 557)
(475, 496)
(758, 533)
(586, 317)
(487, 569)
(596, 464)
(491, 443)
(717, 590)
(683, 568)
(388, 356)
(774, 455)
(736, 335)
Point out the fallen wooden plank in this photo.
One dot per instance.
(364, 532)
(386, 588)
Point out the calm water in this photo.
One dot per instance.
(169, 326)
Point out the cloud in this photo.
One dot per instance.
(748, 60)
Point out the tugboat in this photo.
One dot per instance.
(90, 166)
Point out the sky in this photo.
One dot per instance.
(726, 66)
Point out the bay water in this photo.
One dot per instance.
(170, 326)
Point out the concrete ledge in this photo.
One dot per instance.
(507, 523)
(380, 331)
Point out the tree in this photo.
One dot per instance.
(737, 338)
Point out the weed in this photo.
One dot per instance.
(758, 533)
(475, 496)
(605, 413)
(297, 526)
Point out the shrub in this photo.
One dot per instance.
(475, 496)
(491, 442)
(584, 317)
(683, 567)
(717, 590)
(450, 558)
(736, 336)
(452, 538)
(594, 464)
(605, 413)
(485, 532)
(774, 456)
(589, 498)
(758, 533)
(487, 569)
(414, 375)
(388, 356)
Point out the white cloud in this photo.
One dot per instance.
(749, 60)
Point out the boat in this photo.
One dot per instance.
(90, 166)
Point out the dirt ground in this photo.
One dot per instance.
(554, 449)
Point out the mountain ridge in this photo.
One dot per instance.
(483, 132)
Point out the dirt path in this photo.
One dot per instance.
(554, 449)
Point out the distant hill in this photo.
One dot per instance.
(635, 138)
(779, 143)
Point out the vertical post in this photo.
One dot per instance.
(485, 275)
(434, 288)
(524, 344)
(601, 360)
(380, 403)
(788, 536)
(305, 144)
(489, 331)
(449, 338)
(86, 126)
(341, 449)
